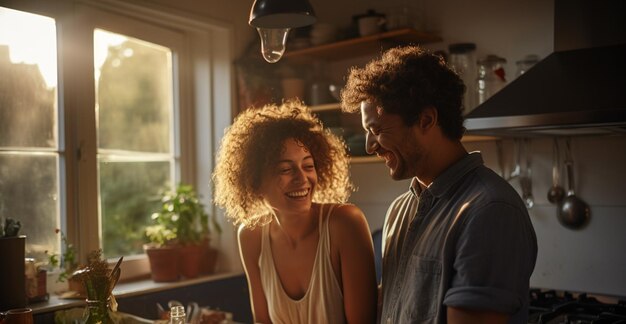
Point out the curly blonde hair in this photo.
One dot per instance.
(253, 144)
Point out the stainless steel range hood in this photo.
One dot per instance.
(578, 89)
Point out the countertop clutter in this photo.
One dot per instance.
(216, 294)
(192, 314)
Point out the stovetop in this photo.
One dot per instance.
(550, 307)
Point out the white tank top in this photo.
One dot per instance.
(323, 300)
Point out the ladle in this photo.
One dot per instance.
(556, 192)
(525, 179)
(573, 212)
(517, 148)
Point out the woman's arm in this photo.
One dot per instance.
(352, 238)
(250, 250)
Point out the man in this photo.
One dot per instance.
(458, 247)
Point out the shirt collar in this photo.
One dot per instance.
(448, 178)
(416, 187)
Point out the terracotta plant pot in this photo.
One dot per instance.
(163, 262)
(190, 256)
(208, 260)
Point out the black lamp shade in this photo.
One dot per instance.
(281, 14)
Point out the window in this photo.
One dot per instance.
(134, 110)
(30, 154)
(87, 144)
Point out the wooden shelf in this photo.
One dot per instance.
(326, 107)
(356, 47)
(366, 159)
(477, 138)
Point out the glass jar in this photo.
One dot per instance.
(526, 63)
(462, 59)
(319, 91)
(98, 311)
(98, 285)
(491, 77)
(177, 315)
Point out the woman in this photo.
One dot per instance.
(308, 256)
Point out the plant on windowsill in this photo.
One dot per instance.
(66, 263)
(182, 233)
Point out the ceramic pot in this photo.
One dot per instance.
(163, 262)
(208, 259)
(190, 256)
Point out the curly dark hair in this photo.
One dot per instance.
(403, 81)
(253, 144)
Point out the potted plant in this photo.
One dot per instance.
(162, 251)
(67, 263)
(182, 225)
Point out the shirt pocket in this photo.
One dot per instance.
(421, 290)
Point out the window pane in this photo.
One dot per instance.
(28, 193)
(29, 157)
(28, 80)
(129, 195)
(134, 91)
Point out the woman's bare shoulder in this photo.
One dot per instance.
(345, 217)
(249, 237)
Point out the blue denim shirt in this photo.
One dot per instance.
(464, 241)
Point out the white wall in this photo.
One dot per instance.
(591, 259)
(234, 12)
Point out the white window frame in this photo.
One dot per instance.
(205, 108)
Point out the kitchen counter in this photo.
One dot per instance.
(226, 291)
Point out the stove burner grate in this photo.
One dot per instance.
(550, 308)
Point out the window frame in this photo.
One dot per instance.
(205, 106)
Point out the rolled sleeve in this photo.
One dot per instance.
(483, 298)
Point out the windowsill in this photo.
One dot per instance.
(127, 289)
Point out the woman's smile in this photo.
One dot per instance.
(299, 193)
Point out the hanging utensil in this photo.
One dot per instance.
(517, 171)
(573, 212)
(500, 157)
(525, 179)
(556, 192)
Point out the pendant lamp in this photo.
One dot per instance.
(273, 19)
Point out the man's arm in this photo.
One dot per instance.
(494, 258)
(465, 316)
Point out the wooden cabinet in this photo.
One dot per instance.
(349, 125)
